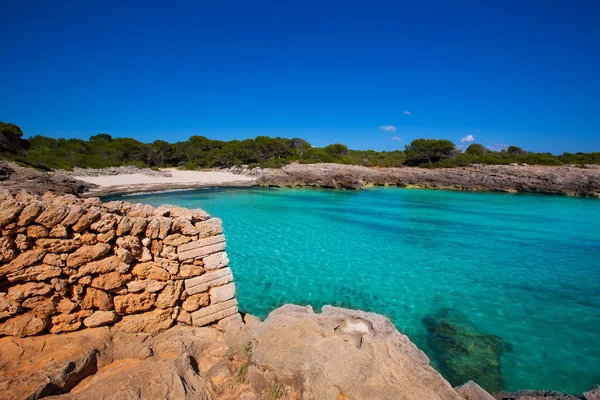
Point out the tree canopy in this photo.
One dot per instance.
(102, 150)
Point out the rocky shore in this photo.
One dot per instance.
(564, 180)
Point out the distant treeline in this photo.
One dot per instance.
(102, 151)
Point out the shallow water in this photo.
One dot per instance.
(523, 267)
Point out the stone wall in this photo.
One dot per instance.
(68, 263)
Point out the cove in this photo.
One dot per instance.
(521, 268)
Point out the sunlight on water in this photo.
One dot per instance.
(525, 268)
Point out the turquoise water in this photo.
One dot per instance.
(523, 267)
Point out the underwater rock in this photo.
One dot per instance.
(463, 352)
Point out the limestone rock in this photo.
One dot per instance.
(336, 352)
(148, 285)
(22, 242)
(125, 255)
(68, 322)
(41, 305)
(164, 227)
(132, 244)
(59, 231)
(190, 271)
(104, 224)
(110, 281)
(52, 215)
(9, 211)
(58, 245)
(53, 259)
(210, 279)
(86, 254)
(106, 236)
(37, 231)
(169, 295)
(535, 395)
(24, 325)
(134, 302)
(593, 393)
(214, 312)
(18, 292)
(89, 238)
(210, 227)
(103, 266)
(216, 261)
(124, 226)
(473, 391)
(95, 298)
(150, 322)
(73, 216)
(176, 239)
(29, 213)
(149, 270)
(8, 250)
(87, 219)
(193, 303)
(139, 225)
(222, 293)
(101, 318)
(37, 272)
(22, 261)
(8, 306)
(201, 248)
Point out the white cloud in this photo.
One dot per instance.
(397, 139)
(497, 146)
(406, 112)
(468, 139)
(388, 128)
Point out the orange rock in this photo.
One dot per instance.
(86, 254)
(52, 215)
(95, 298)
(29, 213)
(193, 303)
(24, 325)
(134, 302)
(37, 231)
(110, 281)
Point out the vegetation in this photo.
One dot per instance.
(103, 150)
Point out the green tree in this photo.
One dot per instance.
(428, 150)
(515, 150)
(11, 138)
(337, 149)
(476, 149)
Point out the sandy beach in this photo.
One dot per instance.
(134, 183)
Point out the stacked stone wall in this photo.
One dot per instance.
(68, 263)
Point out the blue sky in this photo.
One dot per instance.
(506, 72)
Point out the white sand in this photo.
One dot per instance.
(201, 178)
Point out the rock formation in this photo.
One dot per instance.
(465, 353)
(567, 180)
(68, 263)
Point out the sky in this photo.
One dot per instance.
(369, 74)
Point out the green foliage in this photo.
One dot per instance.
(276, 391)
(428, 150)
(11, 139)
(199, 152)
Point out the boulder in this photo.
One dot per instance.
(9, 211)
(335, 354)
(73, 216)
(124, 226)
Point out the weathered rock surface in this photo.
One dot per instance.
(37, 181)
(463, 351)
(345, 353)
(502, 178)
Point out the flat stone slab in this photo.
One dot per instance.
(201, 248)
(214, 312)
(211, 279)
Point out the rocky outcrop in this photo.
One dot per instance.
(463, 351)
(567, 180)
(16, 178)
(68, 263)
(347, 353)
(112, 171)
